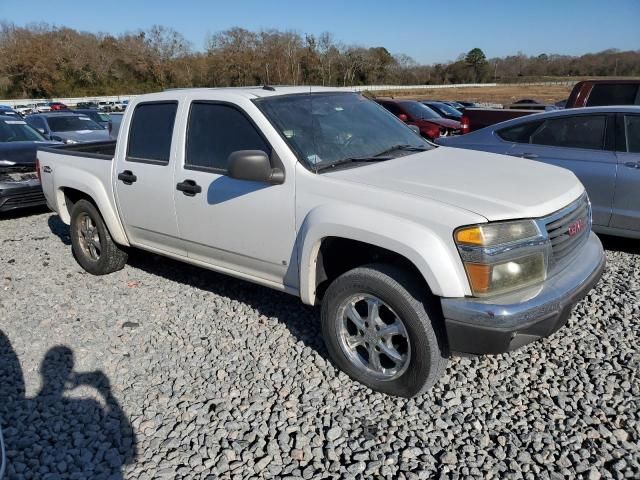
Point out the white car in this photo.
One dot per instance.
(414, 251)
(42, 107)
(117, 106)
(24, 109)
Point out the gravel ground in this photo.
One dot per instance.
(163, 370)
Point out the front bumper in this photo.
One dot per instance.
(507, 322)
(20, 195)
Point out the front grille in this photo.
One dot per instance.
(568, 229)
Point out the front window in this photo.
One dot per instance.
(70, 124)
(18, 131)
(329, 128)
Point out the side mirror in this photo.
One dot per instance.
(403, 117)
(253, 165)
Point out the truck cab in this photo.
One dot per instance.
(413, 251)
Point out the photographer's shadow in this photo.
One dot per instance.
(53, 436)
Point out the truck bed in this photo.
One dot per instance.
(102, 150)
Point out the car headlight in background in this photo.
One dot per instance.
(502, 257)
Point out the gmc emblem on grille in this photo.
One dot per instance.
(577, 226)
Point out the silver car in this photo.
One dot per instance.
(601, 145)
(68, 127)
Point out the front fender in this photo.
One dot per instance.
(92, 186)
(427, 249)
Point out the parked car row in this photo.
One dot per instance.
(45, 107)
(588, 93)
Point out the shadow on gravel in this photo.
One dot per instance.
(52, 436)
(619, 244)
(24, 212)
(59, 229)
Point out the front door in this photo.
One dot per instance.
(145, 186)
(626, 205)
(238, 226)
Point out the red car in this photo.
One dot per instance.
(431, 124)
(58, 106)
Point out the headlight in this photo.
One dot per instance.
(492, 234)
(68, 141)
(501, 257)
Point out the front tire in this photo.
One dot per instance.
(93, 247)
(380, 329)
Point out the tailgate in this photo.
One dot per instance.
(46, 179)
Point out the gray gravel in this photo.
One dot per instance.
(163, 370)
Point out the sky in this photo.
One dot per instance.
(428, 31)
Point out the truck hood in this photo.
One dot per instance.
(20, 153)
(497, 187)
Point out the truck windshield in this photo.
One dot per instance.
(329, 128)
(72, 123)
(18, 131)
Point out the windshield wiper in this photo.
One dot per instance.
(343, 161)
(378, 157)
(403, 147)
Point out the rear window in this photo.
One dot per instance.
(584, 131)
(151, 131)
(632, 133)
(420, 111)
(612, 94)
(71, 124)
(519, 133)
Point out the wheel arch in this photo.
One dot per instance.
(70, 192)
(399, 239)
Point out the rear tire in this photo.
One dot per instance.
(93, 247)
(380, 328)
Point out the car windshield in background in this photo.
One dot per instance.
(419, 111)
(449, 110)
(72, 123)
(329, 128)
(18, 131)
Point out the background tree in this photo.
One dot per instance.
(477, 61)
(41, 61)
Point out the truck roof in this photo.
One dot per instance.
(261, 91)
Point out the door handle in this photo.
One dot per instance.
(632, 164)
(530, 156)
(127, 177)
(189, 188)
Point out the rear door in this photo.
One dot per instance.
(235, 225)
(579, 143)
(626, 204)
(144, 182)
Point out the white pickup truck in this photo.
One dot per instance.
(414, 251)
